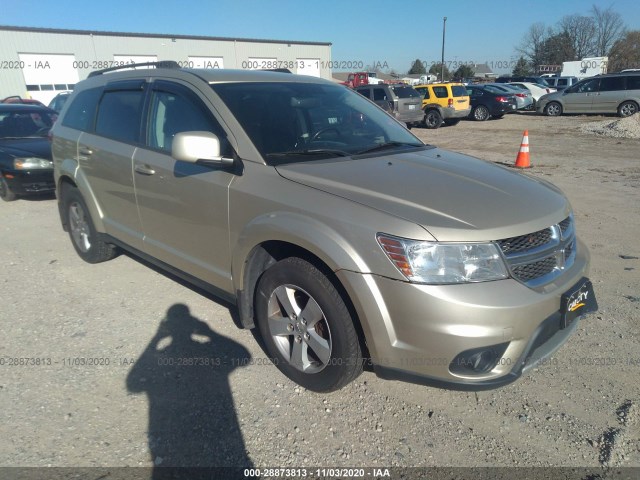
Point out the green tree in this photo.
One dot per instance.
(522, 68)
(464, 71)
(417, 68)
(436, 69)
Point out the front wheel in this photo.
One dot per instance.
(553, 109)
(81, 230)
(480, 113)
(627, 109)
(306, 327)
(5, 192)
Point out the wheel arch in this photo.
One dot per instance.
(70, 175)
(266, 254)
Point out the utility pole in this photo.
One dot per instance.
(444, 29)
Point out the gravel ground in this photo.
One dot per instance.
(619, 128)
(128, 407)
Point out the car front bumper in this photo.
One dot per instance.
(415, 332)
(29, 182)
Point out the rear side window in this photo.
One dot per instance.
(405, 91)
(440, 92)
(119, 115)
(611, 84)
(364, 92)
(459, 91)
(633, 82)
(562, 82)
(379, 94)
(82, 110)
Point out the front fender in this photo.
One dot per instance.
(305, 232)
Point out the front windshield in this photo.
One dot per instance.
(295, 122)
(26, 123)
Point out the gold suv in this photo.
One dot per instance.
(444, 103)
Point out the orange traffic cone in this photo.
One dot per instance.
(522, 160)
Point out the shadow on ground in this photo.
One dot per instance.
(185, 373)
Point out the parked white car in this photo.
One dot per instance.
(536, 90)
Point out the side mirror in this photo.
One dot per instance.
(198, 147)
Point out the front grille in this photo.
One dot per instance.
(525, 242)
(539, 257)
(531, 271)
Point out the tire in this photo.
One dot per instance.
(5, 192)
(553, 109)
(480, 113)
(452, 122)
(82, 233)
(626, 109)
(432, 119)
(322, 357)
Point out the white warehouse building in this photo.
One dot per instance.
(39, 63)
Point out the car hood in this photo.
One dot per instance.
(27, 147)
(453, 196)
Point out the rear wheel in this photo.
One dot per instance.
(626, 109)
(306, 327)
(480, 113)
(83, 234)
(452, 121)
(553, 109)
(432, 119)
(5, 192)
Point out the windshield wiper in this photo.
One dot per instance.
(385, 145)
(317, 151)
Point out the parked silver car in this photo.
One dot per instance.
(614, 93)
(338, 234)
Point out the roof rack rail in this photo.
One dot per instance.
(160, 64)
(279, 70)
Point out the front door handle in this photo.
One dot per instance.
(86, 151)
(144, 169)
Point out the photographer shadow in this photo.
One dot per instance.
(192, 419)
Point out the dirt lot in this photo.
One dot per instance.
(580, 410)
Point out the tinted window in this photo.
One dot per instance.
(440, 92)
(379, 94)
(173, 113)
(459, 91)
(364, 92)
(633, 82)
(82, 110)
(611, 84)
(405, 91)
(119, 115)
(587, 86)
(423, 91)
(562, 82)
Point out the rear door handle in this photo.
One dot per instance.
(86, 151)
(144, 169)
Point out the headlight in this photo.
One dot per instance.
(438, 263)
(32, 163)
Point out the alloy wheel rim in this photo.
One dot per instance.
(628, 109)
(79, 227)
(299, 329)
(481, 113)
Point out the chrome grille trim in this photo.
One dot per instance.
(542, 262)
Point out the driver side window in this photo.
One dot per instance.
(172, 113)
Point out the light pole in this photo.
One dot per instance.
(444, 29)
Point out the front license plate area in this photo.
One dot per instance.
(578, 301)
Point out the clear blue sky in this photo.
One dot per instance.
(395, 32)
